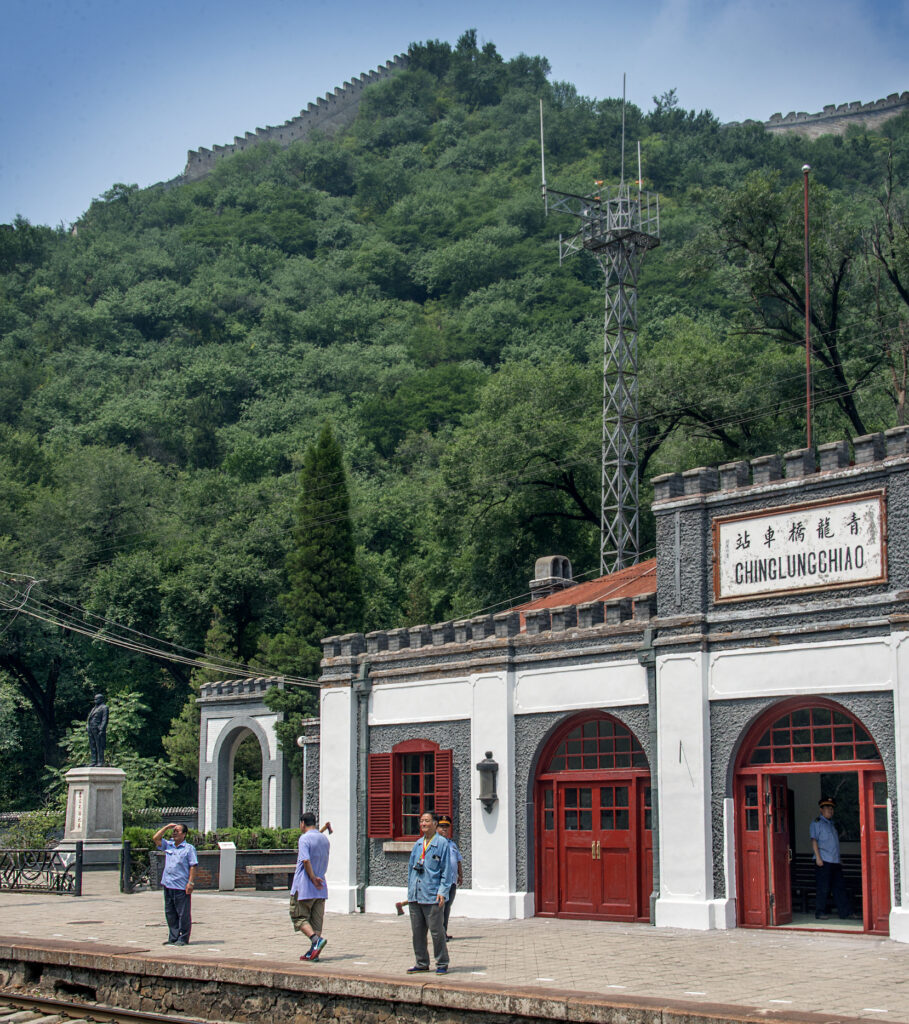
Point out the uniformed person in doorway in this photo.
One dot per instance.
(825, 844)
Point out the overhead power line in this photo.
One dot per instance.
(110, 632)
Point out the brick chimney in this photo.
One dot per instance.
(552, 573)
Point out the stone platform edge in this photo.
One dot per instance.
(242, 990)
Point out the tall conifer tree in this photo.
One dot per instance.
(325, 595)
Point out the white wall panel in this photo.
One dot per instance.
(422, 701)
(615, 684)
(852, 665)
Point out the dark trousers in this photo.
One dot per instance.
(829, 881)
(448, 903)
(428, 917)
(177, 904)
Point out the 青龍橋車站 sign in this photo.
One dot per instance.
(835, 543)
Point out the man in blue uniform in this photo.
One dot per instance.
(457, 872)
(429, 877)
(178, 882)
(825, 844)
(309, 890)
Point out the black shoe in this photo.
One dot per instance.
(442, 969)
(416, 969)
(448, 938)
(181, 942)
(168, 943)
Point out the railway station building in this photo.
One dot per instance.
(651, 746)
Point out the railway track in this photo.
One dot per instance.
(31, 1009)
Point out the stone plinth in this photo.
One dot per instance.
(94, 814)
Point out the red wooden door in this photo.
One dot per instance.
(547, 867)
(779, 847)
(616, 850)
(751, 859)
(580, 881)
(875, 853)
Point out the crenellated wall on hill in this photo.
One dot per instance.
(834, 120)
(338, 109)
(329, 113)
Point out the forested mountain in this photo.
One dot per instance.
(166, 365)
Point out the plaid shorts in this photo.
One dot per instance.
(311, 912)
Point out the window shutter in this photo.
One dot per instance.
(444, 782)
(379, 797)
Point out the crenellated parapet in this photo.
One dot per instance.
(466, 636)
(238, 688)
(329, 113)
(834, 120)
(802, 534)
(795, 465)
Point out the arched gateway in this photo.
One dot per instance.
(594, 846)
(790, 753)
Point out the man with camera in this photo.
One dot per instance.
(429, 878)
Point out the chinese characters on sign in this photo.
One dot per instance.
(804, 547)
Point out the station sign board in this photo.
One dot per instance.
(838, 542)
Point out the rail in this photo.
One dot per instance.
(47, 1008)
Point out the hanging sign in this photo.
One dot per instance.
(840, 542)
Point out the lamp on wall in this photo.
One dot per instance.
(488, 769)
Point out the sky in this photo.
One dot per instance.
(96, 92)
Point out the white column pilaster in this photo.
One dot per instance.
(492, 891)
(337, 793)
(686, 848)
(899, 913)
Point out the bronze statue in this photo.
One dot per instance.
(97, 731)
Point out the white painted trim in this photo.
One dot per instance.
(609, 684)
(833, 666)
(427, 700)
(729, 846)
(213, 729)
(504, 906)
(268, 722)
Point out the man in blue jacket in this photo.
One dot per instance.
(429, 878)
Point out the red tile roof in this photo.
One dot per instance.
(631, 582)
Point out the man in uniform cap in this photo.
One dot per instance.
(825, 843)
(457, 872)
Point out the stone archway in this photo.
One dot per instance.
(231, 711)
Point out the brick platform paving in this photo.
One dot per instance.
(776, 974)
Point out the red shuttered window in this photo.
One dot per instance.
(416, 776)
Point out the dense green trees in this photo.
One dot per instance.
(168, 369)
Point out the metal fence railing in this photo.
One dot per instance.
(51, 871)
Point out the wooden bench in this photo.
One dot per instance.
(802, 880)
(270, 876)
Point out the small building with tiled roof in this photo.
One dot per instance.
(652, 746)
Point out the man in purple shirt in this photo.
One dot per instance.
(309, 891)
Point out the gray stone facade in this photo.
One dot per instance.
(391, 868)
(532, 733)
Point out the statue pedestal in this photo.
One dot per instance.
(94, 815)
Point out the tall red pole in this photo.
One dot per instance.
(805, 169)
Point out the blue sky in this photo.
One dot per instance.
(96, 92)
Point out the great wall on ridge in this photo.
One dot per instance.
(338, 109)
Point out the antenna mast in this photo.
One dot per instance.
(617, 228)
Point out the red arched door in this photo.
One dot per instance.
(594, 848)
(800, 738)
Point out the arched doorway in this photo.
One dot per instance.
(796, 750)
(594, 845)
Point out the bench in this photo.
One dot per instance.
(802, 880)
(269, 876)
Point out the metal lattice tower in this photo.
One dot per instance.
(618, 226)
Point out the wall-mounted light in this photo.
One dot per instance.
(488, 769)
